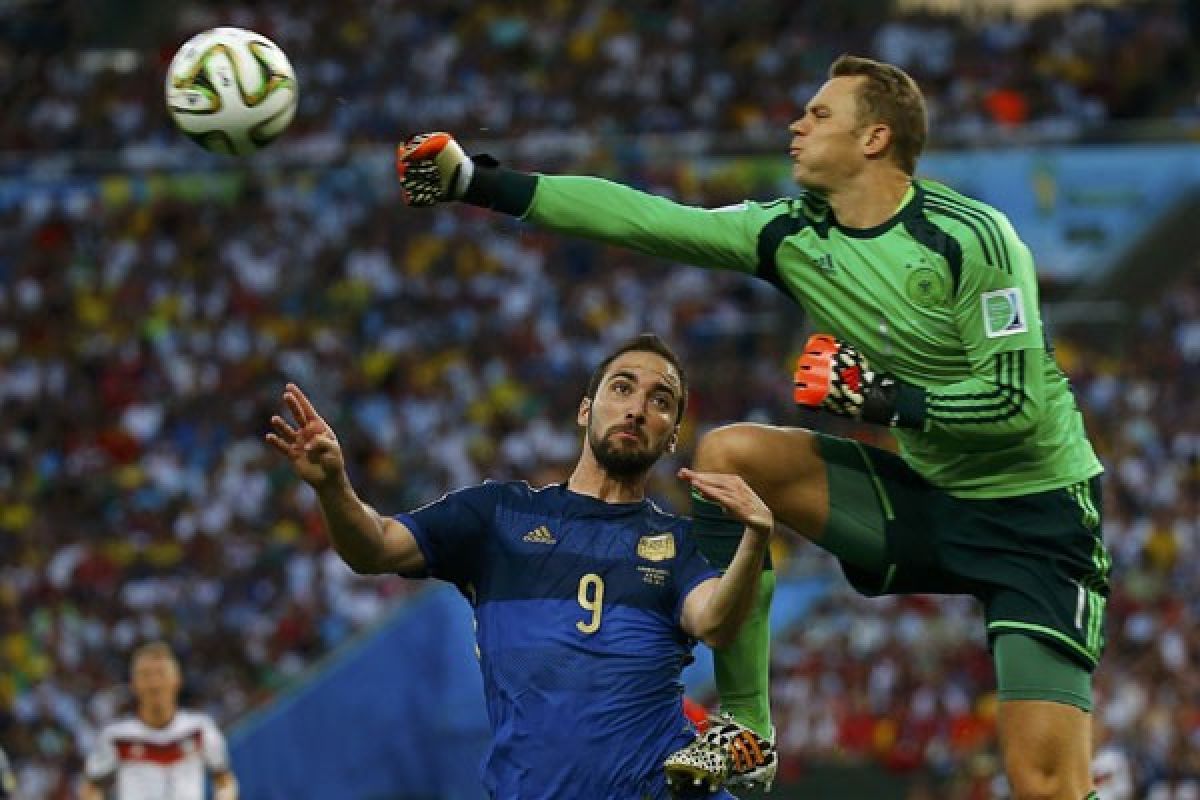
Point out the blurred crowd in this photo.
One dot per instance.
(373, 70)
(146, 333)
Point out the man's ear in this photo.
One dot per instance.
(585, 412)
(876, 139)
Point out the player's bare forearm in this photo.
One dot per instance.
(715, 610)
(367, 542)
(734, 594)
(357, 530)
(90, 791)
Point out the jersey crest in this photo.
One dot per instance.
(925, 287)
(656, 547)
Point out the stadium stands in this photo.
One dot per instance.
(144, 339)
(370, 69)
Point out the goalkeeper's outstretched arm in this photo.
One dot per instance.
(434, 168)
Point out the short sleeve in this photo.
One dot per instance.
(101, 763)
(452, 532)
(691, 569)
(216, 752)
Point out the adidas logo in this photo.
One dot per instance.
(540, 535)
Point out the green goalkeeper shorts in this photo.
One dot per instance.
(1036, 562)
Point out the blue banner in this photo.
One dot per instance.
(399, 716)
(1078, 208)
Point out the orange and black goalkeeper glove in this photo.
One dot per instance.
(432, 168)
(835, 377)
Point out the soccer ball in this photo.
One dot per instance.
(231, 90)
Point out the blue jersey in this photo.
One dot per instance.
(577, 607)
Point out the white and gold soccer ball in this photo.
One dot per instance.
(231, 90)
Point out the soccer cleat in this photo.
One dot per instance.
(728, 754)
(753, 758)
(701, 764)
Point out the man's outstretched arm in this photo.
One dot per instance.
(433, 168)
(367, 541)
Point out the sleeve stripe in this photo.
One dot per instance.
(947, 204)
(981, 416)
(1008, 385)
(1010, 376)
(1003, 383)
(1002, 411)
(1009, 407)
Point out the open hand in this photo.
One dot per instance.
(734, 495)
(311, 445)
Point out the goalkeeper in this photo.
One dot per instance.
(929, 310)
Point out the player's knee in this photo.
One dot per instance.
(1041, 782)
(726, 449)
(762, 454)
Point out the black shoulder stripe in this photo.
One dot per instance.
(769, 239)
(930, 235)
(985, 239)
(999, 243)
(816, 213)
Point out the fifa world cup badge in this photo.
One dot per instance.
(656, 547)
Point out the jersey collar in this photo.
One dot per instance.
(908, 207)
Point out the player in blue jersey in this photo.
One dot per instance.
(587, 597)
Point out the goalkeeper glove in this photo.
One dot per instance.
(432, 168)
(834, 376)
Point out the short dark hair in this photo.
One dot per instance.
(642, 343)
(892, 97)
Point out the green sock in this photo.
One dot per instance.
(743, 668)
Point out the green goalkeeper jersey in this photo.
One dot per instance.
(943, 295)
